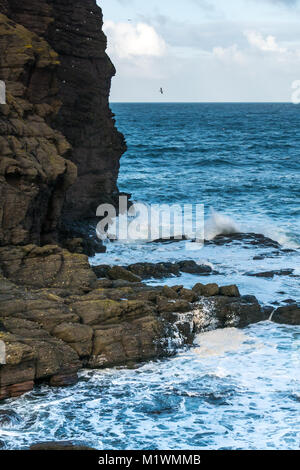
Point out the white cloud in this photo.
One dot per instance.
(229, 54)
(133, 40)
(267, 44)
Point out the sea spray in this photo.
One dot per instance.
(220, 224)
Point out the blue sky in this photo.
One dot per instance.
(203, 50)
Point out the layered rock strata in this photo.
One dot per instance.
(59, 147)
(56, 317)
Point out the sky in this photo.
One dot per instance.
(203, 50)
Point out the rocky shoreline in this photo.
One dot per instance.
(57, 317)
(59, 159)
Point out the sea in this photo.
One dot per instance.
(234, 389)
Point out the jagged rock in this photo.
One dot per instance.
(288, 315)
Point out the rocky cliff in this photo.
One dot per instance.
(59, 147)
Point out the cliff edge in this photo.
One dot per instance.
(59, 146)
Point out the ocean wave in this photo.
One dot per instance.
(221, 224)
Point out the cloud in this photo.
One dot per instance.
(267, 44)
(229, 54)
(133, 40)
(204, 4)
(284, 2)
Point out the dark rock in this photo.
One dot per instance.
(59, 445)
(271, 274)
(222, 312)
(152, 270)
(85, 233)
(288, 315)
(170, 240)
(245, 238)
(101, 271)
(193, 268)
(199, 288)
(35, 170)
(210, 290)
(169, 293)
(181, 306)
(230, 291)
(63, 380)
(47, 266)
(188, 294)
(82, 72)
(117, 272)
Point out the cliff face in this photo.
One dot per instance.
(57, 120)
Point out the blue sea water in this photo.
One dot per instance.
(234, 389)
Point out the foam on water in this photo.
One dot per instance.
(244, 397)
(219, 342)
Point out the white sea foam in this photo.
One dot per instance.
(218, 342)
(220, 224)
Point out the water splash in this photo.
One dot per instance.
(220, 224)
